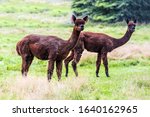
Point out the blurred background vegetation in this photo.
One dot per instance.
(113, 10)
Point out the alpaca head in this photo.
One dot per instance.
(131, 25)
(79, 23)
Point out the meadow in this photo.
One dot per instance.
(129, 65)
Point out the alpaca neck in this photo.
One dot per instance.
(123, 40)
(72, 40)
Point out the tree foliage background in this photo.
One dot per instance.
(113, 10)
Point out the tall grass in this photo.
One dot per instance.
(123, 87)
(40, 88)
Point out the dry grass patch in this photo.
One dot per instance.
(129, 51)
(39, 88)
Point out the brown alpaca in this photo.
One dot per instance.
(99, 43)
(49, 48)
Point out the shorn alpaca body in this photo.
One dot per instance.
(51, 48)
(99, 43)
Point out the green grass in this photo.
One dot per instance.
(130, 77)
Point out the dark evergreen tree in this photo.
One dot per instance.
(139, 9)
(113, 10)
(81, 7)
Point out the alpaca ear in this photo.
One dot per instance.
(73, 18)
(135, 21)
(85, 18)
(127, 21)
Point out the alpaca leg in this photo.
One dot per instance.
(66, 61)
(98, 63)
(105, 62)
(23, 70)
(26, 62)
(50, 69)
(74, 66)
(75, 62)
(59, 69)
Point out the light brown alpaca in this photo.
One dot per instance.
(99, 43)
(51, 48)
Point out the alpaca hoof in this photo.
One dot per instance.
(49, 80)
(59, 80)
(76, 74)
(66, 75)
(97, 75)
(107, 74)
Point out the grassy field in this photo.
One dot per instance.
(129, 65)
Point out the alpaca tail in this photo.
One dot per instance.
(18, 48)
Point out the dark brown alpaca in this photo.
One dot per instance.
(99, 43)
(49, 48)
